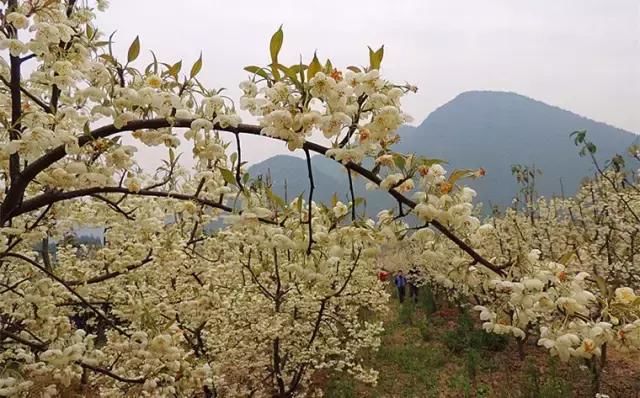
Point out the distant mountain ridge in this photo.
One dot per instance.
(489, 129)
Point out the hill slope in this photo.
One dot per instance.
(495, 130)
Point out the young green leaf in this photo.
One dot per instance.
(375, 57)
(399, 160)
(196, 67)
(228, 176)
(328, 67)
(175, 69)
(459, 174)
(257, 70)
(276, 44)
(314, 67)
(134, 50)
(274, 47)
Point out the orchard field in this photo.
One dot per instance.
(209, 284)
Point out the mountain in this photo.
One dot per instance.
(290, 177)
(487, 129)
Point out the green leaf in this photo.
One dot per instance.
(274, 47)
(155, 63)
(228, 176)
(297, 68)
(245, 178)
(108, 58)
(276, 44)
(565, 258)
(334, 199)
(175, 69)
(459, 174)
(134, 50)
(291, 74)
(579, 136)
(278, 200)
(257, 70)
(111, 42)
(602, 285)
(354, 69)
(399, 160)
(234, 157)
(314, 67)
(328, 67)
(299, 203)
(429, 162)
(375, 57)
(89, 31)
(196, 67)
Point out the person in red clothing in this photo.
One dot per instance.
(383, 276)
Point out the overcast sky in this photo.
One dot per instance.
(581, 55)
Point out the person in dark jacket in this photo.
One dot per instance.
(400, 282)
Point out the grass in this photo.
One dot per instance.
(445, 354)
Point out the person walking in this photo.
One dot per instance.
(400, 282)
(413, 279)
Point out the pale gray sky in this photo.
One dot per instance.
(581, 55)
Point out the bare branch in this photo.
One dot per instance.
(32, 97)
(57, 196)
(309, 205)
(353, 196)
(113, 274)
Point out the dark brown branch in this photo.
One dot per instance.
(32, 97)
(113, 205)
(57, 196)
(356, 120)
(31, 171)
(34, 345)
(27, 57)
(310, 204)
(238, 180)
(113, 274)
(16, 101)
(353, 196)
(111, 374)
(12, 288)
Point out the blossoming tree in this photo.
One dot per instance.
(166, 307)
(571, 273)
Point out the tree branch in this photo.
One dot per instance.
(113, 274)
(31, 171)
(32, 97)
(70, 289)
(309, 205)
(16, 100)
(57, 196)
(353, 196)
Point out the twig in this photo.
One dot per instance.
(309, 205)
